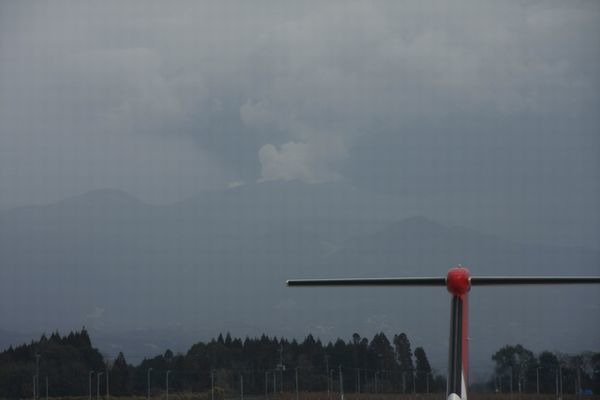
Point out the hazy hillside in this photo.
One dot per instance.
(143, 276)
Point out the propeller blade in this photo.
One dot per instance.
(428, 281)
(532, 280)
(441, 281)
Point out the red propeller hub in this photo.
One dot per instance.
(458, 281)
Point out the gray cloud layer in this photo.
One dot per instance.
(413, 98)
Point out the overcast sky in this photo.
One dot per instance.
(465, 100)
(484, 114)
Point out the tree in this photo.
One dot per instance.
(548, 368)
(515, 367)
(405, 361)
(381, 358)
(67, 360)
(595, 364)
(381, 353)
(120, 376)
(423, 369)
(62, 360)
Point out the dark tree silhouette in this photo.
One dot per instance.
(423, 370)
(405, 362)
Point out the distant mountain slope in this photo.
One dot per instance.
(218, 262)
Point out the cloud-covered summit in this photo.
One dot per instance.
(471, 100)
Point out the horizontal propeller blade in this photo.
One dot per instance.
(441, 281)
(430, 281)
(532, 280)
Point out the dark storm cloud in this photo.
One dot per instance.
(165, 100)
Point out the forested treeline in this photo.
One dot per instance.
(64, 360)
(72, 366)
(263, 363)
(518, 369)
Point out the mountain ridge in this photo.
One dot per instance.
(129, 266)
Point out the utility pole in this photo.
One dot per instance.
(37, 376)
(212, 384)
(107, 391)
(427, 382)
(341, 383)
(33, 387)
(266, 385)
(296, 383)
(357, 380)
(556, 385)
(330, 381)
(414, 376)
(380, 358)
(46, 387)
(578, 389)
(90, 384)
(167, 383)
(148, 383)
(327, 373)
(281, 368)
(98, 375)
(561, 380)
(375, 382)
(537, 380)
(241, 387)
